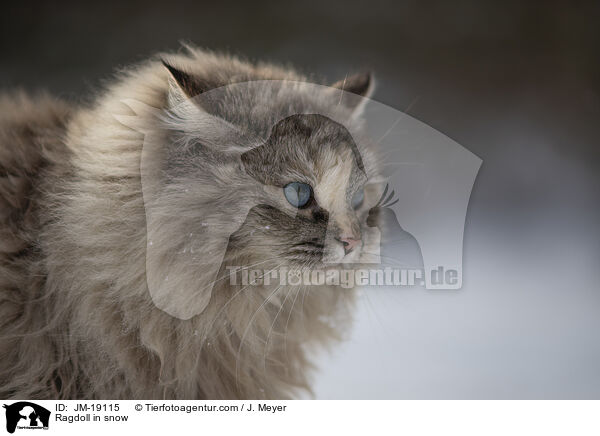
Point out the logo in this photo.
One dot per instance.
(26, 415)
(409, 214)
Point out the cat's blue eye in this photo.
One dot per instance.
(358, 198)
(297, 194)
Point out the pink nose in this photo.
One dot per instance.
(349, 242)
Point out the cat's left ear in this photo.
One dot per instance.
(357, 89)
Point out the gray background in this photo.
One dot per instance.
(517, 83)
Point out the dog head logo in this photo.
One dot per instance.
(26, 415)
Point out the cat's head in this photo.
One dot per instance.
(314, 176)
(261, 171)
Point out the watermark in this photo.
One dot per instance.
(302, 174)
(345, 278)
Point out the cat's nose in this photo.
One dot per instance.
(349, 242)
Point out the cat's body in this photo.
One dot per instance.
(76, 317)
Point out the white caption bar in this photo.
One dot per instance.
(301, 417)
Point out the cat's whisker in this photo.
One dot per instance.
(382, 196)
(390, 196)
(287, 323)
(226, 275)
(239, 292)
(402, 116)
(271, 330)
(264, 303)
(304, 292)
(392, 203)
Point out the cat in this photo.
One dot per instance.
(80, 255)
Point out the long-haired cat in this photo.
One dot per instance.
(77, 318)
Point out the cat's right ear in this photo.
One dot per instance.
(183, 86)
(194, 116)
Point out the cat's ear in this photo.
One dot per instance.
(361, 85)
(183, 85)
(194, 116)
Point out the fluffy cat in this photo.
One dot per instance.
(76, 316)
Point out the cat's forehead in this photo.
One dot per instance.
(305, 147)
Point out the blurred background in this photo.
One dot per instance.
(516, 83)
